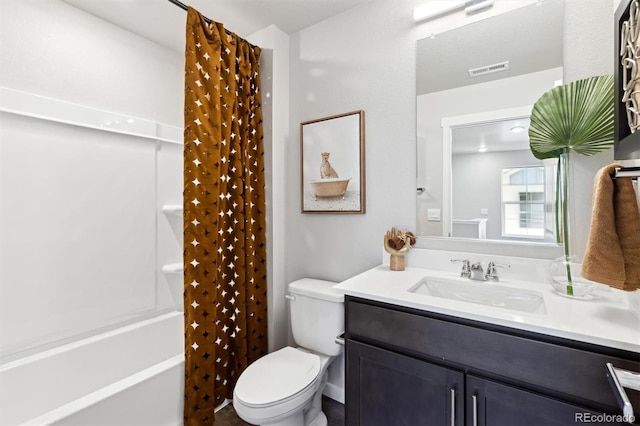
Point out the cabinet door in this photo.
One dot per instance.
(490, 403)
(386, 389)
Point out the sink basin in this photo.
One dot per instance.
(482, 293)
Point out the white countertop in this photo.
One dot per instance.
(604, 319)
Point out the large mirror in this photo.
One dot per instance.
(476, 85)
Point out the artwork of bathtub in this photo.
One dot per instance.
(332, 187)
(133, 375)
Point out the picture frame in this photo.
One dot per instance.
(332, 166)
(626, 143)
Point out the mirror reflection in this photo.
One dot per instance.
(476, 85)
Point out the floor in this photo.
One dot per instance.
(334, 411)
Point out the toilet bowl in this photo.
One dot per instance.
(284, 388)
(279, 388)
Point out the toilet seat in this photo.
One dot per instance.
(278, 377)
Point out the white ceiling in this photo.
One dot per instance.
(163, 22)
(496, 136)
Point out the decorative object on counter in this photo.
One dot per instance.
(341, 138)
(613, 249)
(397, 243)
(575, 117)
(569, 267)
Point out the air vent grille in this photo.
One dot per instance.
(488, 69)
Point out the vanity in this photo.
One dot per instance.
(511, 352)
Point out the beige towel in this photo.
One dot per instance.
(613, 249)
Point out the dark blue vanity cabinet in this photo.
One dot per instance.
(410, 367)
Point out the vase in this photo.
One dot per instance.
(566, 275)
(567, 279)
(396, 262)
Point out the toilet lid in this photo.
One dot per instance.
(277, 376)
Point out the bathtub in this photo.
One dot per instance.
(133, 375)
(330, 187)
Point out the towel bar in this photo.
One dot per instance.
(632, 172)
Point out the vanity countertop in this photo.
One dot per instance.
(605, 319)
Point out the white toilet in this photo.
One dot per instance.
(284, 388)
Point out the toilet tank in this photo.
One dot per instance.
(316, 314)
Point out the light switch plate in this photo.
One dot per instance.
(433, 215)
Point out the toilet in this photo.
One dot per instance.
(284, 388)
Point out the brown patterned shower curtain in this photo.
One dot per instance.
(225, 271)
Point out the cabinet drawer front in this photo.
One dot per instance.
(561, 370)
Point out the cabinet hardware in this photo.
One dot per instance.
(474, 399)
(453, 407)
(619, 379)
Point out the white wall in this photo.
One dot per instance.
(274, 65)
(58, 51)
(588, 46)
(363, 59)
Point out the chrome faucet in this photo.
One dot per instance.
(477, 273)
(492, 272)
(466, 268)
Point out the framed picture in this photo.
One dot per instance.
(332, 164)
(627, 81)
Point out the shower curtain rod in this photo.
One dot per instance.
(185, 7)
(207, 20)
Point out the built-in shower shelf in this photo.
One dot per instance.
(173, 268)
(172, 209)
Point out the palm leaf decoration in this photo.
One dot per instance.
(577, 116)
(573, 117)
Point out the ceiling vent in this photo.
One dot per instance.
(488, 69)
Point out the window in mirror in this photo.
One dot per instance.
(523, 198)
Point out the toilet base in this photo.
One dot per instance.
(320, 420)
(298, 420)
(294, 420)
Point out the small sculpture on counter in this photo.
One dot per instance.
(397, 243)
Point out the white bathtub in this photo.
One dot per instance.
(133, 375)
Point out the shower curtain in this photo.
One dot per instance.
(225, 271)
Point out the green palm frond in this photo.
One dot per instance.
(577, 116)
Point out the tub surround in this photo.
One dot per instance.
(605, 320)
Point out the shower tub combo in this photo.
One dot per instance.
(133, 375)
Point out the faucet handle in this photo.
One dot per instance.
(466, 267)
(492, 273)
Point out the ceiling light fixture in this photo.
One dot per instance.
(437, 8)
(476, 6)
(482, 149)
(517, 128)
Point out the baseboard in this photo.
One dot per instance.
(334, 392)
